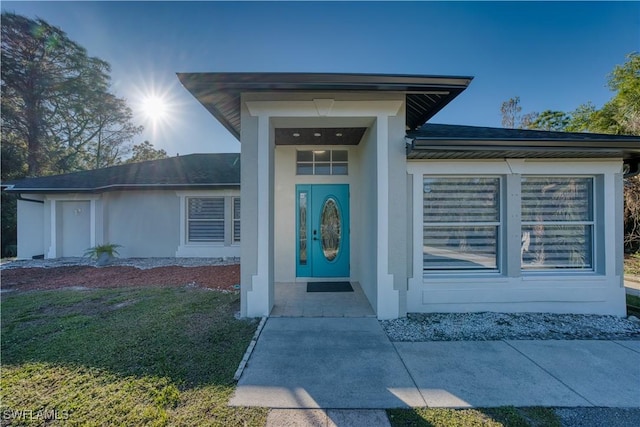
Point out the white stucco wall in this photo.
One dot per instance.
(30, 228)
(152, 223)
(145, 223)
(148, 223)
(365, 265)
(600, 291)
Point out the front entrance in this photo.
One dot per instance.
(322, 230)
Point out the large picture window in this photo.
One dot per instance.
(461, 218)
(557, 223)
(205, 219)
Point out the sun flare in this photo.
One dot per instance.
(154, 108)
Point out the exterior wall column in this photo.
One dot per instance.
(388, 297)
(260, 297)
(51, 253)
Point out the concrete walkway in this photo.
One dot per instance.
(339, 363)
(632, 285)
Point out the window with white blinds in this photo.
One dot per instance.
(557, 223)
(461, 223)
(205, 219)
(236, 219)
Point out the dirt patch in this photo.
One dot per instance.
(223, 277)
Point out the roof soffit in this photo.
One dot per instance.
(220, 93)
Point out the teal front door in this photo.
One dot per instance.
(322, 230)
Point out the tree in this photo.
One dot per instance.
(511, 117)
(550, 120)
(145, 151)
(511, 113)
(619, 116)
(625, 81)
(115, 130)
(55, 99)
(580, 119)
(56, 112)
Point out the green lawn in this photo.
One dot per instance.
(632, 264)
(489, 417)
(152, 357)
(161, 356)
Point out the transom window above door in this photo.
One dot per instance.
(322, 162)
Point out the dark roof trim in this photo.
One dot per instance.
(124, 188)
(220, 93)
(454, 139)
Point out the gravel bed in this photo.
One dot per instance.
(489, 326)
(141, 263)
(598, 417)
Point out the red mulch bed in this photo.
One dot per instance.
(212, 277)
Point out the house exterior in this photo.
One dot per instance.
(185, 206)
(344, 179)
(341, 180)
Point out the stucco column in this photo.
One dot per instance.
(259, 298)
(388, 297)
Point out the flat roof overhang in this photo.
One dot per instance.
(220, 93)
(483, 149)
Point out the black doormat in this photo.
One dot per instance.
(329, 287)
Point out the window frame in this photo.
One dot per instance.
(235, 219)
(190, 220)
(499, 227)
(316, 164)
(585, 223)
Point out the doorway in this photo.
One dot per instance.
(322, 230)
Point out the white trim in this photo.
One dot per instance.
(509, 166)
(52, 252)
(208, 193)
(79, 197)
(204, 249)
(499, 226)
(324, 108)
(92, 221)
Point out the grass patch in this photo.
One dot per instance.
(152, 356)
(633, 300)
(493, 417)
(632, 264)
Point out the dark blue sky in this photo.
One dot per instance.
(554, 55)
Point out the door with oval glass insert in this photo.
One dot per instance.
(322, 230)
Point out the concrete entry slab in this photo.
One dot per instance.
(603, 372)
(338, 363)
(481, 374)
(293, 300)
(327, 418)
